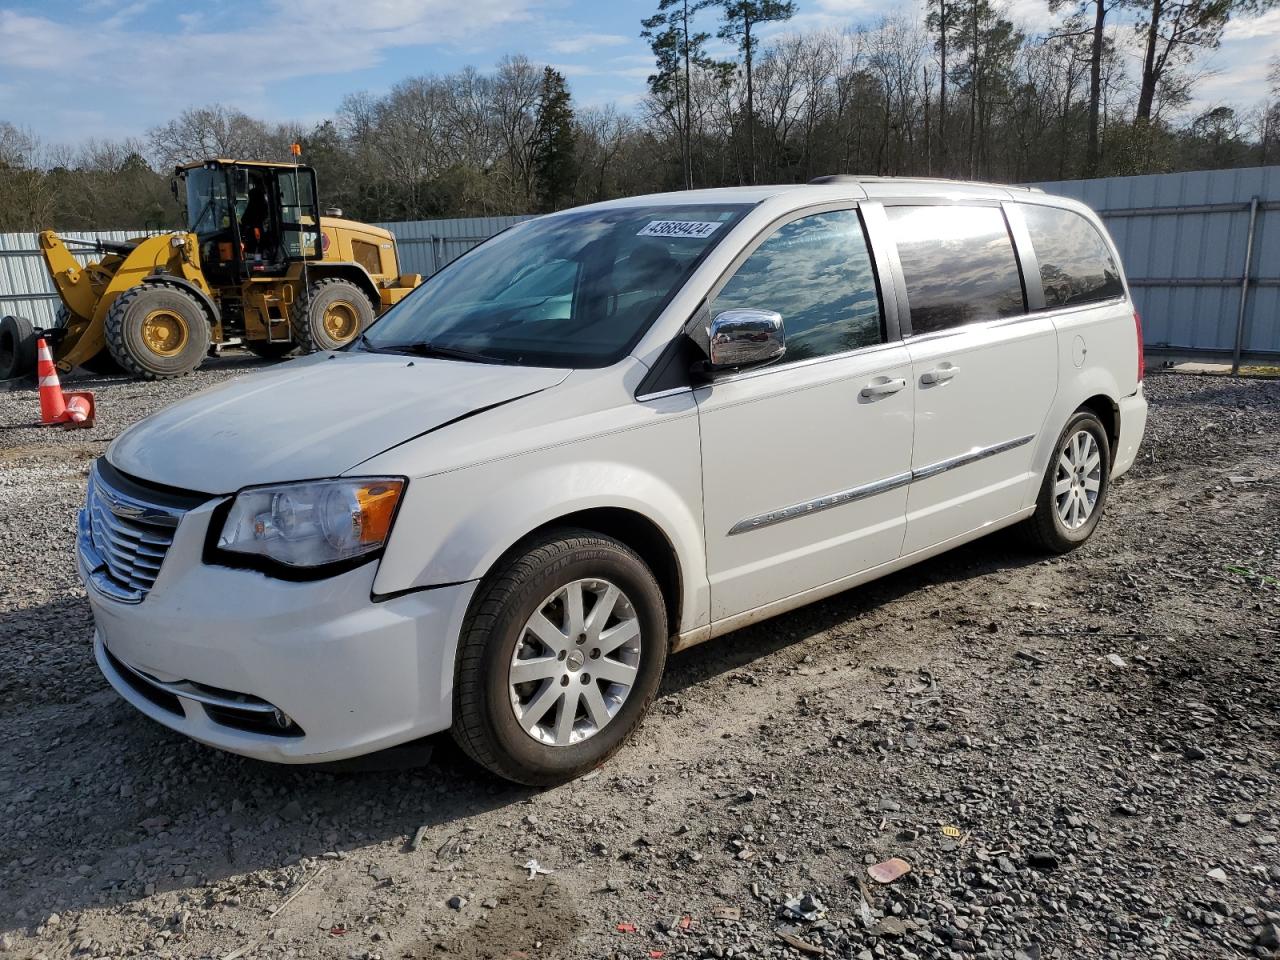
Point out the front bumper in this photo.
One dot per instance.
(230, 657)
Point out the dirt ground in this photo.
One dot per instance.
(1100, 730)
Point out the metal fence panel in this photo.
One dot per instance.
(1184, 238)
(427, 245)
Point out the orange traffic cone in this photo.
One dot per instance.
(53, 408)
(72, 409)
(79, 408)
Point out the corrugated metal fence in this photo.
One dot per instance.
(424, 247)
(1202, 253)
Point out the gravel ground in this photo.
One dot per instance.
(1077, 757)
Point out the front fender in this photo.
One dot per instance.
(454, 526)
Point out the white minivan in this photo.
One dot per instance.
(602, 436)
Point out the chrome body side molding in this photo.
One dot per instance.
(872, 489)
(821, 503)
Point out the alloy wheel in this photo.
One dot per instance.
(1078, 480)
(575, 662)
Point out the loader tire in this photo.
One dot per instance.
(102, 362)
(17, 347)
(157, 332)
(329, 314)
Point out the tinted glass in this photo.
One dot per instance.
(571, 290)
(208, 206)
(1075, 264)
(959, 265)
(816, 272)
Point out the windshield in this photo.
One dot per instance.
(572, 290)
(208, 208)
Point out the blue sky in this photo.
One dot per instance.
(75, 69)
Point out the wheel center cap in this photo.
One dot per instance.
(574, 661)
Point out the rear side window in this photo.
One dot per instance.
(816, 272)
(1075, 264)
(958, 263)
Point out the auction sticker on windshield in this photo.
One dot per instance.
(698, 229)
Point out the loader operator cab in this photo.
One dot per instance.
(251, 219)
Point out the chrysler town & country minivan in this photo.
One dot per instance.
(599, 437)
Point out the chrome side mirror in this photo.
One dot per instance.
(745, 338)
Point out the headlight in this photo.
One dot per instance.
(314, 523)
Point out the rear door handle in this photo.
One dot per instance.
(882, 388)
(939, 374)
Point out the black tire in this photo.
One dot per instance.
(269, 350)
(307, 315)
(130, 343)
(484, 722)
(1045, 529)
(17, 347)
(101, 363)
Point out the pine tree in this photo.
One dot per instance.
(554, 162)
(677, 49)
(740, 19)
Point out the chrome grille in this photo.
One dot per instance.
(123, 540)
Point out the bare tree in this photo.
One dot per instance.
(217, 131)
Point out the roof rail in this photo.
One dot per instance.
(854, 178)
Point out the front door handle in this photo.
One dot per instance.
(939, 374)
(882, 388)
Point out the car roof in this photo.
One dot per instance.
(848, 187)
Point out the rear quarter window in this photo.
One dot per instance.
(958, 263)
(1076, 265)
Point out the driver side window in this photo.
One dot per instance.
(816, 272)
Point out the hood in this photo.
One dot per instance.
(309, 418)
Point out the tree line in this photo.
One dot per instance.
(958, 90)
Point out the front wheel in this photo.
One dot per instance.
(1074, 490)
(559, 659)
(155, 332)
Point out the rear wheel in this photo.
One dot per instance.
(156, 332)
(1074, 490)
(560, 658)
(17, 347)
(329, 314)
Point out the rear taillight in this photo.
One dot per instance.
(1137, 329)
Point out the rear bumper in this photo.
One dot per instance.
(1133, 424)
(285, 672)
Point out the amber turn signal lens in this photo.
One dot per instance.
(377, 506)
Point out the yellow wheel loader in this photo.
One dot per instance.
(257, 265)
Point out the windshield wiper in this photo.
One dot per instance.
(425, 348)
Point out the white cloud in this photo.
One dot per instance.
(1239, 77)
(587, 42)
(149, 70)
(1250, 28)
